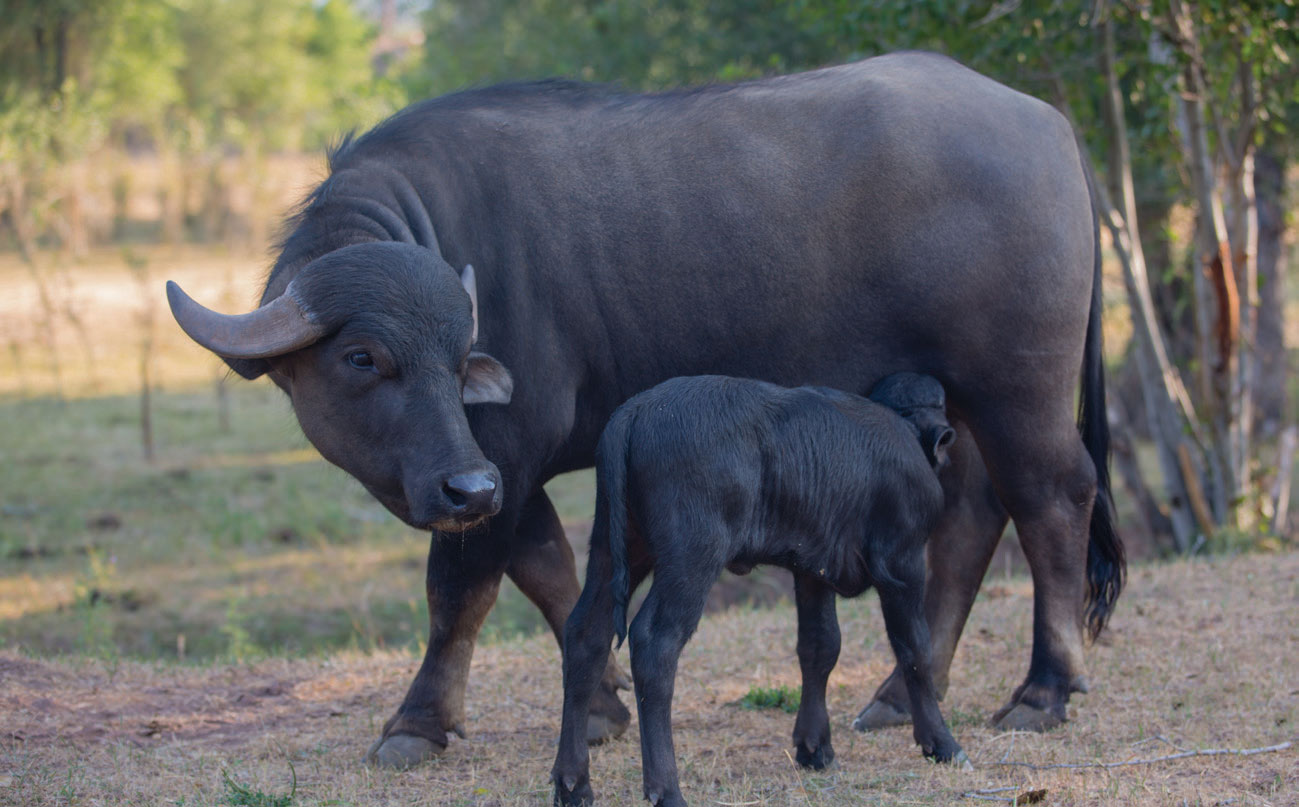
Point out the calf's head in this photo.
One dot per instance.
(374, 344)
(921, 401)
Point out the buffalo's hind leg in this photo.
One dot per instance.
(542, 566)
(818, 651)
(958, 552)
(1047, 481)
(901, 600)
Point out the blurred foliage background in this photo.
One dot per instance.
(143, 498)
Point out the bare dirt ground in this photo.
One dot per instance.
(1201, 654)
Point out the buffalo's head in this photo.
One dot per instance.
(920, 399)
(374, 344)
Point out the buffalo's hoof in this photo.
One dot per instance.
(664, 797)
(608, 718)
(402, 751)
(1023, 717)
(961, 761)
(602, 728)
(817, 760)
(881, 715)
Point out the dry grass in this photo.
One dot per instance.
(102, 307)
(1202, 654)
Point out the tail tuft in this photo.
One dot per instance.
(1106, 560)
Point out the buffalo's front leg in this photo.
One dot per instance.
(464, 575)
(542, 566)
(959, 551)
(818, 651)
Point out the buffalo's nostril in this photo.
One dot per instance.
(471, 493)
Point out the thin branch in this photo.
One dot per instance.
(1206, 97)
(1249, 101)
(985, 794)
(1205, 752)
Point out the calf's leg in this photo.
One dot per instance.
(901, 600)
(665, 622)
(542, 566)
(818, 651)
(587, 635)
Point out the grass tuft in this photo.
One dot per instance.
(784, 698)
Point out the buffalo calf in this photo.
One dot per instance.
(704, 473)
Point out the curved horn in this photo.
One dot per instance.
(471, 285)
(281, 326)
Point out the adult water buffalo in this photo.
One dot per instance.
(832, 227)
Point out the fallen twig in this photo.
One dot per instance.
(1028, 797)
(986, 793)
(1206, 752)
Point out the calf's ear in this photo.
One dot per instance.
(486, 380)
(937, 443)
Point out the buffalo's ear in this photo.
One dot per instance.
(486, 380)
(939, 440)
(249, 368)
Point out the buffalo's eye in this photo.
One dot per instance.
(361, 360)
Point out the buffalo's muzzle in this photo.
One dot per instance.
(472, 494)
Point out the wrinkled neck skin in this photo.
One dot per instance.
(355, 205)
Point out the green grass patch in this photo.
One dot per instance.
(238, 795)
(784, 698)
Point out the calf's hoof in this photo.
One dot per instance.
(881, 715)
(402, 751)
(608, 718)
(949, 753)
(1020, 716)
(816, 760)
(573, 793)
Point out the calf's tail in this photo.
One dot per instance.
(1106, 562)
(611, 506)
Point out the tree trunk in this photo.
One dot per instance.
(1269, 197)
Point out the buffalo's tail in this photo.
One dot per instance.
(1106, 562)
(611, 511)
